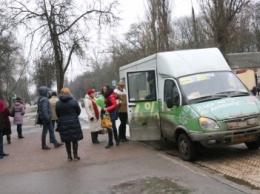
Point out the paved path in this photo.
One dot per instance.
(29, 169)
(129, 168)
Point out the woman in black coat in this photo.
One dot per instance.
(68, 110)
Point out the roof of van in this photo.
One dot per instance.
(183, 62)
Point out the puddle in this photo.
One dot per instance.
(241, 182)
(152, 185)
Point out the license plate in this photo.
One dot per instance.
(234, 125)
(244, 138)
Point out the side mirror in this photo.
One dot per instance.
(169, 102)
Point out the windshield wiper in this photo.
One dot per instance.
(235, 93)
(209, 97)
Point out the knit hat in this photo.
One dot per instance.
(65, 91)
(90, 91)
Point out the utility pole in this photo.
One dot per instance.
(194, 27)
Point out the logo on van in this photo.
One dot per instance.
(216, 105)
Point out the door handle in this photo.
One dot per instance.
(131, 105)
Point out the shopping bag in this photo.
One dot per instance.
(106, 122)
(38, 120)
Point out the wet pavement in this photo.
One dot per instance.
(132, 167)
(235, 162)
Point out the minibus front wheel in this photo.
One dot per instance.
(186, 148)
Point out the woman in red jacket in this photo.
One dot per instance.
(111, 107)
(7, 124)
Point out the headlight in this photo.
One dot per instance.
(207, 123)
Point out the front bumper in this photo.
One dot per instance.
(229, 137)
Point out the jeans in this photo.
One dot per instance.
(53, 124)
(19, 130)
(1, 143)
(48, 127)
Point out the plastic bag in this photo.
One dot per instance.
(100, 101)
(106, 122)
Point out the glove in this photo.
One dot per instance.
(103, 111)
(92, 119)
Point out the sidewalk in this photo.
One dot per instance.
(28, 151)
(130, 168)
(26, 154)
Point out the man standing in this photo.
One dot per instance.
(45, 115)
(122, 110)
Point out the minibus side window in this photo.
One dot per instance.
(171, 93)
(141, 86)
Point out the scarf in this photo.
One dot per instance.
(95, 109)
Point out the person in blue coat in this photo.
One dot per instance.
(68, 110)
(45, 115)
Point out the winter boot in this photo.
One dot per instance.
(8, 138)
(116, 136)
(75, 151)
(68, 149)
(110, 138)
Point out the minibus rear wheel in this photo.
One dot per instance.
(253, 145)
(185, 147)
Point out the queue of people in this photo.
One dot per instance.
(63, 112)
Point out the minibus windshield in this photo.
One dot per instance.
(212, 85)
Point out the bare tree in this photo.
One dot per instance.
(256, 24)
(243, 40)
(159, 17)
(44, 74)
(12, 65)
(184, 33)
(63, 26)
(221, 16)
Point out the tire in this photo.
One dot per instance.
(253, 145)
(185, 147)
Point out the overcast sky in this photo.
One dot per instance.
(131, 11)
